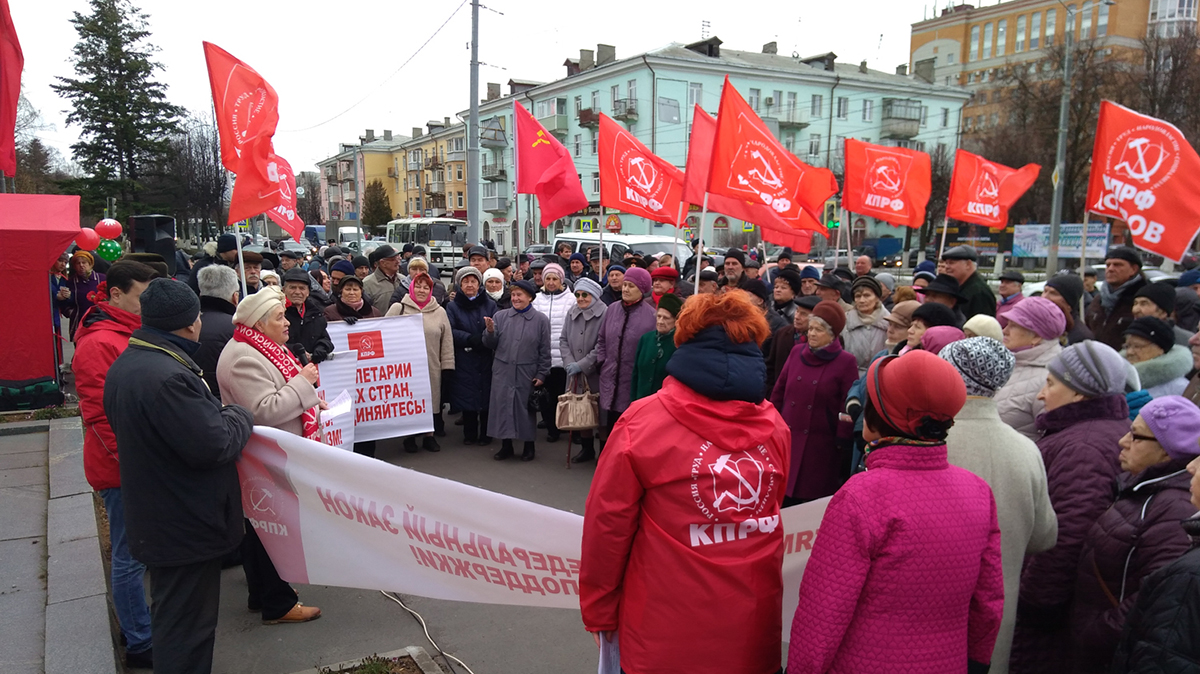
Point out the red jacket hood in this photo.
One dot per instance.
(104, 316)
(733, 425)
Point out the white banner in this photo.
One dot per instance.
(329, 517)
(383, 363)
(337, 422)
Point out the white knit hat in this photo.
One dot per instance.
(252, 309)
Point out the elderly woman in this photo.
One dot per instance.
(83, 285)
(439, 348)
(893, 579)
(471, 385)
(982, 325)
(1140, 532)
(721, 611)
(269, 278)
(1031, 332)
(349, 303)
(258, 372)
(655, 349)
(416, 267)
(1161, 364)
(554, 302)
(926, 316)
(938, 338)
(520, 338)
(866, 324)
(493, 285)
(1085, 418)
(810, 394)
(577, 345)
(616, 348)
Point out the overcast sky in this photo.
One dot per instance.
(325, 58)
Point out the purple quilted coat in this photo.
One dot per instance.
(616, 350)
(905, 575)
(1079, 448)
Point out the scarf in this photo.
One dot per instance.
(357, 306)
(496, 294)
(901, 441)
(1109, 298)
(870, 318)
(299, 307)
(285, 362)
(527, 308)
(419, 303)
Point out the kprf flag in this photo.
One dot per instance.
(699, 163)
(12, 61)
(749, 164)
(247, 112)
(284, 214)
(887, 183)
(545, 168)
(799, 241)
(1146, 173)
(981, 191)
(635, 180)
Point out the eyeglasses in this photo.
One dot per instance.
(581, 294)
(1145, 438)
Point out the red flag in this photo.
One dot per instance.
(800, 241)
(545, 169)
(246, 106)
(285, 214)
(888, 183)
(12, 61)
(749, 164)
(1146, 173)
(982, 191)
(699, 159)
(635, 180)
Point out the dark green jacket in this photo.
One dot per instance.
(650, 366)
(979, 298)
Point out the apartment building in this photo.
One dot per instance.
(430, 172)
(345, 175)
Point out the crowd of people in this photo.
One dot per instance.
(1009, 473)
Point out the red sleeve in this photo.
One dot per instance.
(91, 367)
(610, 522)
(987, 603)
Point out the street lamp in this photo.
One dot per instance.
(1060, 156)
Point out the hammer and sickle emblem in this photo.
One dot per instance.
(886, 178)
(260, 500)
(753, 491)
(1140, 172)
(767, 175)
(987, 186)
(646, 175)
(540, 139)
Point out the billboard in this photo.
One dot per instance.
(1034, 240)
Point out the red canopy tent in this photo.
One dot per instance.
(34, 230)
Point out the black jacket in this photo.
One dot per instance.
(216, 329)
(193, 279)
(183, 502)
(609, 295)
(1160, 635)
(309, 332)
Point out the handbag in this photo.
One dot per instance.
(538, 397)
(578, 411)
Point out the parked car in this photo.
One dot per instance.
(301, 247)
(832, 258)
(1154, 276)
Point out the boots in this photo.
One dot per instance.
(410, 445)
(439, 425)
(431, 444)
(588, 452)
(527, 454)
(506, 450)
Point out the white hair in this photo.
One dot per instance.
(818, 322)
(217, 280)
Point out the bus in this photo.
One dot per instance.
(443, 238)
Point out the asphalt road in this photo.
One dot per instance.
(354, 623)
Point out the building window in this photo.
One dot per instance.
(994, 120)
(594, 142)
(818, 102)
(596, 183)
(949, 58)
(814, 144)
(1035, 30)
(458, 144)
(695, 95)
(791, 104)
(945, 117)
(1102, 20)
(1001, 36)
(596, 101)
(752, 99)
(788, 142)
(1085, 28)
(551, 106)
(615, 94)
(459, 196)
(987, 41)
(1020, 37)
(776, 99)
(632, 89)
(868, 110)
(578, 104)
(578, 143)
(843, 107)
(458, 173)
(973, 52)
(924, 116)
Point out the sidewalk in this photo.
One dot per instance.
(24, 496)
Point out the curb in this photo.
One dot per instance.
(79, 631)
(24, 427)
(418, 654)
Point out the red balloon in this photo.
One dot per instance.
(87, 239)
(108, 228)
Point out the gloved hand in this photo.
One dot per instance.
(475, 341)
(854, 408)
(350, 320)
(573, 369)
(320, 356)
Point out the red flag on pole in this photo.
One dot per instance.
(699, 160)
(635, 180)
(12, 61)
(1146, 173)
(285, 214)
(888, 183)
(981, 192)
(545, 169)
(749, 164)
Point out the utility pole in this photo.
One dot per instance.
(473, 177)
(1060, 157)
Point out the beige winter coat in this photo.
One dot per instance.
(1012, 466)
(247, 378)
(1017, 401)
(439, 341)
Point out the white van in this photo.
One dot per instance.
(348, 234)
(617, 244)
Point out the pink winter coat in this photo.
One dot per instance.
(905, 574)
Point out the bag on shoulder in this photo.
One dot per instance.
(578, 411)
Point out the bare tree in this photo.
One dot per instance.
(309, 202)
(1166, 84)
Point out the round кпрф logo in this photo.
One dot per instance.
(1146, 154)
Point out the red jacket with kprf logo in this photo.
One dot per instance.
(682, 537)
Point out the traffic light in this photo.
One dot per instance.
(831, 214)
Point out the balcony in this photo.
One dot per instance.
(555, 124)
(456, 155)
(435, 187)
(434, 162)
(625, 109)
(494, 172)
(331, 178)
(589, 118)
(788, 116)
(491, 134)
(391, 171)
(415, 165)
(497, 204)
(901, 119)
(436, 201)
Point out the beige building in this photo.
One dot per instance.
(431, 172)
(344, 176)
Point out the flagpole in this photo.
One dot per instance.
(945, 228)
(837, 249)
(237, 236)
(703, 217)
(675, 244)
(520, 242)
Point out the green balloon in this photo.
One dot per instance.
(109, 250)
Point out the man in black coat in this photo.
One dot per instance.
(218, 302)
(307, 332)
(226, 254)
(1112, 311)
(182, 497)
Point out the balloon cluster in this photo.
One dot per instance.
(100, 239)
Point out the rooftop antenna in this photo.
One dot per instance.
(705, 26)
